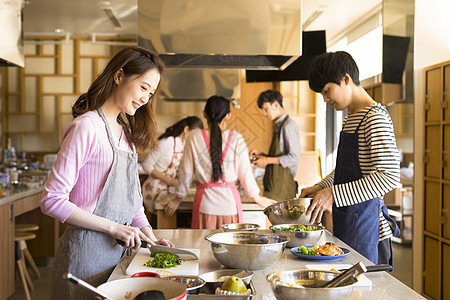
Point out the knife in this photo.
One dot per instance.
(187, 255)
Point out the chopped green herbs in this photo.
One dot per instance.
(164, 261)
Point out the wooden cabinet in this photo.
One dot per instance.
(431, 271)
(7, 251)
(446, 275)
(436, 229)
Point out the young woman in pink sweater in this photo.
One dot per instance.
(94, 184)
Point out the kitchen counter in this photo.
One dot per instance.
(248, 205)
(17, 203)
(384, 286)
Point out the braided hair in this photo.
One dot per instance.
(216, 108)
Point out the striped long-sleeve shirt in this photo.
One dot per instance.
(378, 158)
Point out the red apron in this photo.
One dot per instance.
(202, 186)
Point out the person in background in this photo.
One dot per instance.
(162, 163)
(93, 185)
(217, 157)
(367, 164)
(281, 161)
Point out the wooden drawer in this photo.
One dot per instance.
(445, 273)
(433, 109)
(431, 268)
(433, 151)
(446, 153)
(446, 211)
(432, 207)
(446, 97)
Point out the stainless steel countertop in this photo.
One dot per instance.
(384, 286)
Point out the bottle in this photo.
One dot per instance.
(7, 152)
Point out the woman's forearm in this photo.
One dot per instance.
(163, 177)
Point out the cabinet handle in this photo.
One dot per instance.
(444, 104)
(444, 216)
(426, 156)
(11, 217)
(426, 106)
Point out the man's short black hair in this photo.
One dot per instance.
(332, 67)
(270, 96)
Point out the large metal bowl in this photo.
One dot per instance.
(299, 238)
(247, 250)
(289, 211)
(281, 284)
(240, 227)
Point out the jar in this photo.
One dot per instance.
(4, 181)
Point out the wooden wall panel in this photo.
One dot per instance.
(249, 120)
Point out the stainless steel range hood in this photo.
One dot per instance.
(11, 40)
(245, 34)
(205, 43)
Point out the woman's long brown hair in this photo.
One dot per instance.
(216, 108)
(141, 128)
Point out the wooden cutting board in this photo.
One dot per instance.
(189, 267)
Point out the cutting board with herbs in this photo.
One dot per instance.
(188, 267)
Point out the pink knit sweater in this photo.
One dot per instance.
(81, 168)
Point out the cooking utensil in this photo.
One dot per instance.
(345, 276)
(302, 284)
(86, 285)
(299, 238)
(289, 211)
(240, 227)
(375, 268)
(247, 250)
(187, 255)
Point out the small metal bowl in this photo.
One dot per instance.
(214, 276)
(247, 250)
(240, 227)
(289, 211)
(193, 283)
(281, 285)
(299, 238)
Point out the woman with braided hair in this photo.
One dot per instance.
(216, 158)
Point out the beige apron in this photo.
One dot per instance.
(157, 191)
(92, 255)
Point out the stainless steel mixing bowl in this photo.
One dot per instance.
(247, 250)
(299, 238)
(193, 283)
(289, 211)
(282, 282)
(215, 276)
(240, 227)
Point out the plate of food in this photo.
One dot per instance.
(329, 252)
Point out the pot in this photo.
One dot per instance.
(128, 288)
(282, 282)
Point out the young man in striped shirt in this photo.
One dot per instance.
(367, 164)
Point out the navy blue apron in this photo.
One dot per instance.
(357, 225)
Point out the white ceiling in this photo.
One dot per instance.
(83, 17)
